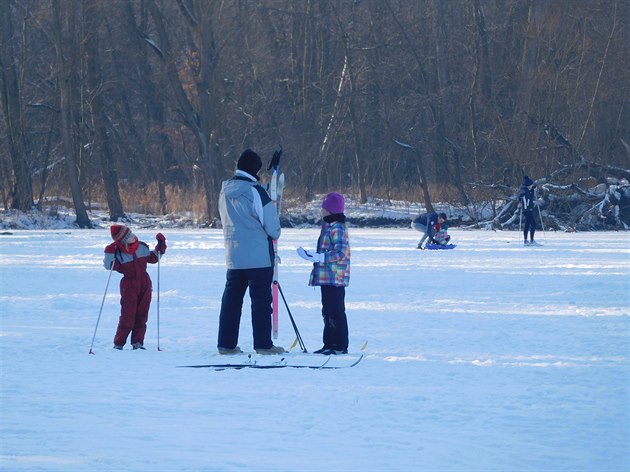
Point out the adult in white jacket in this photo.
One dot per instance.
(250, 223)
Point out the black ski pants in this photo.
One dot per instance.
(237, 282)
(335, 320)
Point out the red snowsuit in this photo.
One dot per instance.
(135, 288)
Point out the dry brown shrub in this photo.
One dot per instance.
(146, 200)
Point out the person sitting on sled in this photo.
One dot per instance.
(130, 257)
(428, 224)
(441, 237)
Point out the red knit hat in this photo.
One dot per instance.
(119, 232)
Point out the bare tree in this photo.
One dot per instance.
(67, 54)
(99, 116)
(170, 92)
(11, 100)
(201, 113)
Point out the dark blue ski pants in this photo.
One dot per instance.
(530, 224)
(237, 282)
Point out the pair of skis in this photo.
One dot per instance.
(276, 187)
(251, 363)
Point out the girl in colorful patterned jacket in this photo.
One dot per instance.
(130, 257)
(331, 272)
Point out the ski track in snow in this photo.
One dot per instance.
(489, 357)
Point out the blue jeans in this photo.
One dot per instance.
(237, 282)
(422, 228)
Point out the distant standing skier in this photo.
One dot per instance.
(429, 224)
(331, 271)
(250, 223)
(526, 199)
(130, 257)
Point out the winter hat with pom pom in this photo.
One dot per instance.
(119, 233)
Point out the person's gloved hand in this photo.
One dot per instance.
(161, 243)
(314, 257)
(275, 160)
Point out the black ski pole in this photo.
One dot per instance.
(158, 302)
(295, 328)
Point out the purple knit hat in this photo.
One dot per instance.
(334, 203)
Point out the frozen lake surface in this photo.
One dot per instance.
(489, 357)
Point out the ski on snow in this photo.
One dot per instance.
(281, 364)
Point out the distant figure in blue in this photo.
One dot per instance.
(428, 224)
(526, 199)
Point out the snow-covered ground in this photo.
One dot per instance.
(376, 212)
(490, 357)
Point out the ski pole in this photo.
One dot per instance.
(274, 293)
(158, 302)
(111, 269)
(295, 328)
(542, 225)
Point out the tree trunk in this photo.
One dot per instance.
(42, 190)
(155, 104)
(423, 181)
(22, 191)
(99, 120)
(317, 166)
(202, 121)
(358, 148)
(209, 108)
(63, 72)
(483, 53)
(353, 106)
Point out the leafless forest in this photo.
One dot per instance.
(150, 102)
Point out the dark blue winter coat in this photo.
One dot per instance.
(527, 195)
(429, 221)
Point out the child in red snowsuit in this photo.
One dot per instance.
(130, 257)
